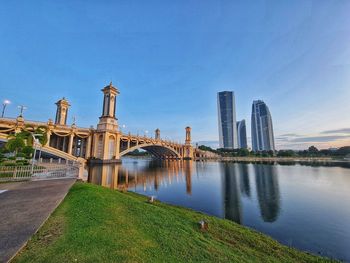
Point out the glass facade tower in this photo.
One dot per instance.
(242, 134)
(262, 129)
(227, 120)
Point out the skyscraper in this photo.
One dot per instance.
(242, 134)
(262, 129)
(227, 120)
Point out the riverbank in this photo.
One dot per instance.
(96, 224)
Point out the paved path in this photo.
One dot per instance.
(24, 207)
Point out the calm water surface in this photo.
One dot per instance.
(302, 206)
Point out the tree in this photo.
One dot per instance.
(15, 143)
(342, 151)
(28, 131)
(243, 152)
(28, 151)
(206, 148)
(286, 153)
(313, 150)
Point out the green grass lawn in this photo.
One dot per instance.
(95, 224)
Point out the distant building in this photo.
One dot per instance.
(262, 129)
(227, 120)
(242, 134)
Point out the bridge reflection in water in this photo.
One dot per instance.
(219, 187)
(151, 175)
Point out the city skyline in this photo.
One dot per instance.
(169, 62)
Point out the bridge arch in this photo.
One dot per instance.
(157, 150)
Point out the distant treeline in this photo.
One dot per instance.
(312, 151)
(138, 153)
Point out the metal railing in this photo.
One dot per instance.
(40, 171)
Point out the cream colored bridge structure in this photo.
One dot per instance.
(103, 144)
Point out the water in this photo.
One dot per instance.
(307, 207)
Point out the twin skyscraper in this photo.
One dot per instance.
(233, 134)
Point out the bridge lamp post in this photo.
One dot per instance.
(21, 108)
(146, 132)
(122, 128)
(35, 141)
(4, 104)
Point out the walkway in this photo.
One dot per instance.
(24, 206)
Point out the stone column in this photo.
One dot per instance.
(70, 144)
(88, 147)
(105, 147)
(48, 138)
(117, 146)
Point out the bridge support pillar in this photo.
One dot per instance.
(70, 143)
(88, 147)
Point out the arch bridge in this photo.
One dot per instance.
(104, 144)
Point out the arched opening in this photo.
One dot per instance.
(158, 151)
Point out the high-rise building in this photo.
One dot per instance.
(227, 120)
(242, 134)
(262, 129)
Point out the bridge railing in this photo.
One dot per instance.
(40, 171)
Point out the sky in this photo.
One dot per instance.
(170, 58)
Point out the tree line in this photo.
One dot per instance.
(312, 151)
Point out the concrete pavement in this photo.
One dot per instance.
(23, 209)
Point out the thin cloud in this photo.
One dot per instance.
(320, 138)
(290, 135)
(344, 130)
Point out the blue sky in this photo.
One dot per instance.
(170, 58)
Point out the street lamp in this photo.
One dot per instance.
(22, 108)
(122, 127)
(35, 142)
(146, 132)
(4, 104)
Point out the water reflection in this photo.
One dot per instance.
(268, 191)
(244, 179)
(231, 196)
(235, 181)
(154, 173)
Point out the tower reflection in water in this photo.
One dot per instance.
(155, 173)
(231, 193)
(236, 182)
(268, 191)
(150, 176)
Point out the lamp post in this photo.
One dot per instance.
(4, 104)
(35, 141)
(22, 108)
(122, 127)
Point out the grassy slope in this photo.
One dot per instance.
(95, 224)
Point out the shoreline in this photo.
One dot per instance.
(279, 159)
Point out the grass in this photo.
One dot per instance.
(96, 224)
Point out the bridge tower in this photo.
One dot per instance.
(62, 111)
(157, 134)
(188, 153)
(107, 137)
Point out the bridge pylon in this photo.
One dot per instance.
(188, 154)
(107, 136)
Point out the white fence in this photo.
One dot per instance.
(40, 171)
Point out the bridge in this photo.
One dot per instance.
(103, 144)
